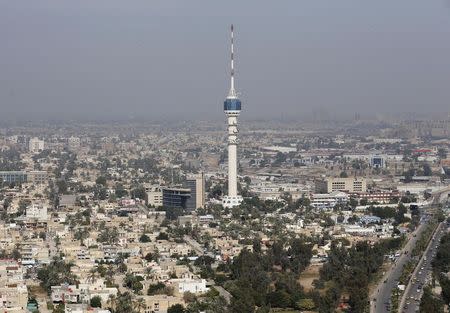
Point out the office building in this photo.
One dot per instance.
(37, 177)
(174, 197)
(377, 161)
(196, 183)
(13, 177)
(18, 177)
(348, 184)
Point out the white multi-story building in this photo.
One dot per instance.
(13, 298)
(73, 143)
(328, 200)
(36, 145)
(37, 211)
(195, 286)
(154, 195)
(13, 291)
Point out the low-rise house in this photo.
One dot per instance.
(13, 297)
(160, 303)
(65, 294)
(195, 286)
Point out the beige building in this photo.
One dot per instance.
(13, 291)
(36, 145)
(154, 195)
(13, 298)
(160, 303)
(196, 183)
(37, 177)
(349, 184)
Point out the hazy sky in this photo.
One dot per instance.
(152, 59)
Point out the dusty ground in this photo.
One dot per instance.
(308, 276)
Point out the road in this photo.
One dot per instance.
(382, 293)
(422, 274)
(198, 248)
(194, 245)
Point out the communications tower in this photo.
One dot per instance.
(232, 108)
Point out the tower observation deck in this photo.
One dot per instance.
(232, 107)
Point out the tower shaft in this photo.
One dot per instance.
(232, 155)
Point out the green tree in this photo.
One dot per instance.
(101, 180)
(96, 302)
(56, 273)
(426, 169)
(144, 238)
(279, 299)
(138, 192)
(62, 186)
(306, 304)
(162, 236)
(442, 153)
(429, 303)
(120, 191)
(124, 303)
(176, 308)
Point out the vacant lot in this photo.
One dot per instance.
(308, 276)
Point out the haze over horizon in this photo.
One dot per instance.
(170, 59)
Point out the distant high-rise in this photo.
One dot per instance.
(232, 108)
(196, 183)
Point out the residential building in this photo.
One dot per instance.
(160, 303)
(195, 286)
(36, 145)
(13, 297)
(73, 143)
(37, 211)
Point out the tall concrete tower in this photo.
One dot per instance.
(232, 108)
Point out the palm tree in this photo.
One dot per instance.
(110, 271)
(112, 301)
(92, 277)
(139, 305)
(150, 273)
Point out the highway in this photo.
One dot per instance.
(381, 297)
(422, 275)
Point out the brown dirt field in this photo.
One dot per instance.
(308, 276)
